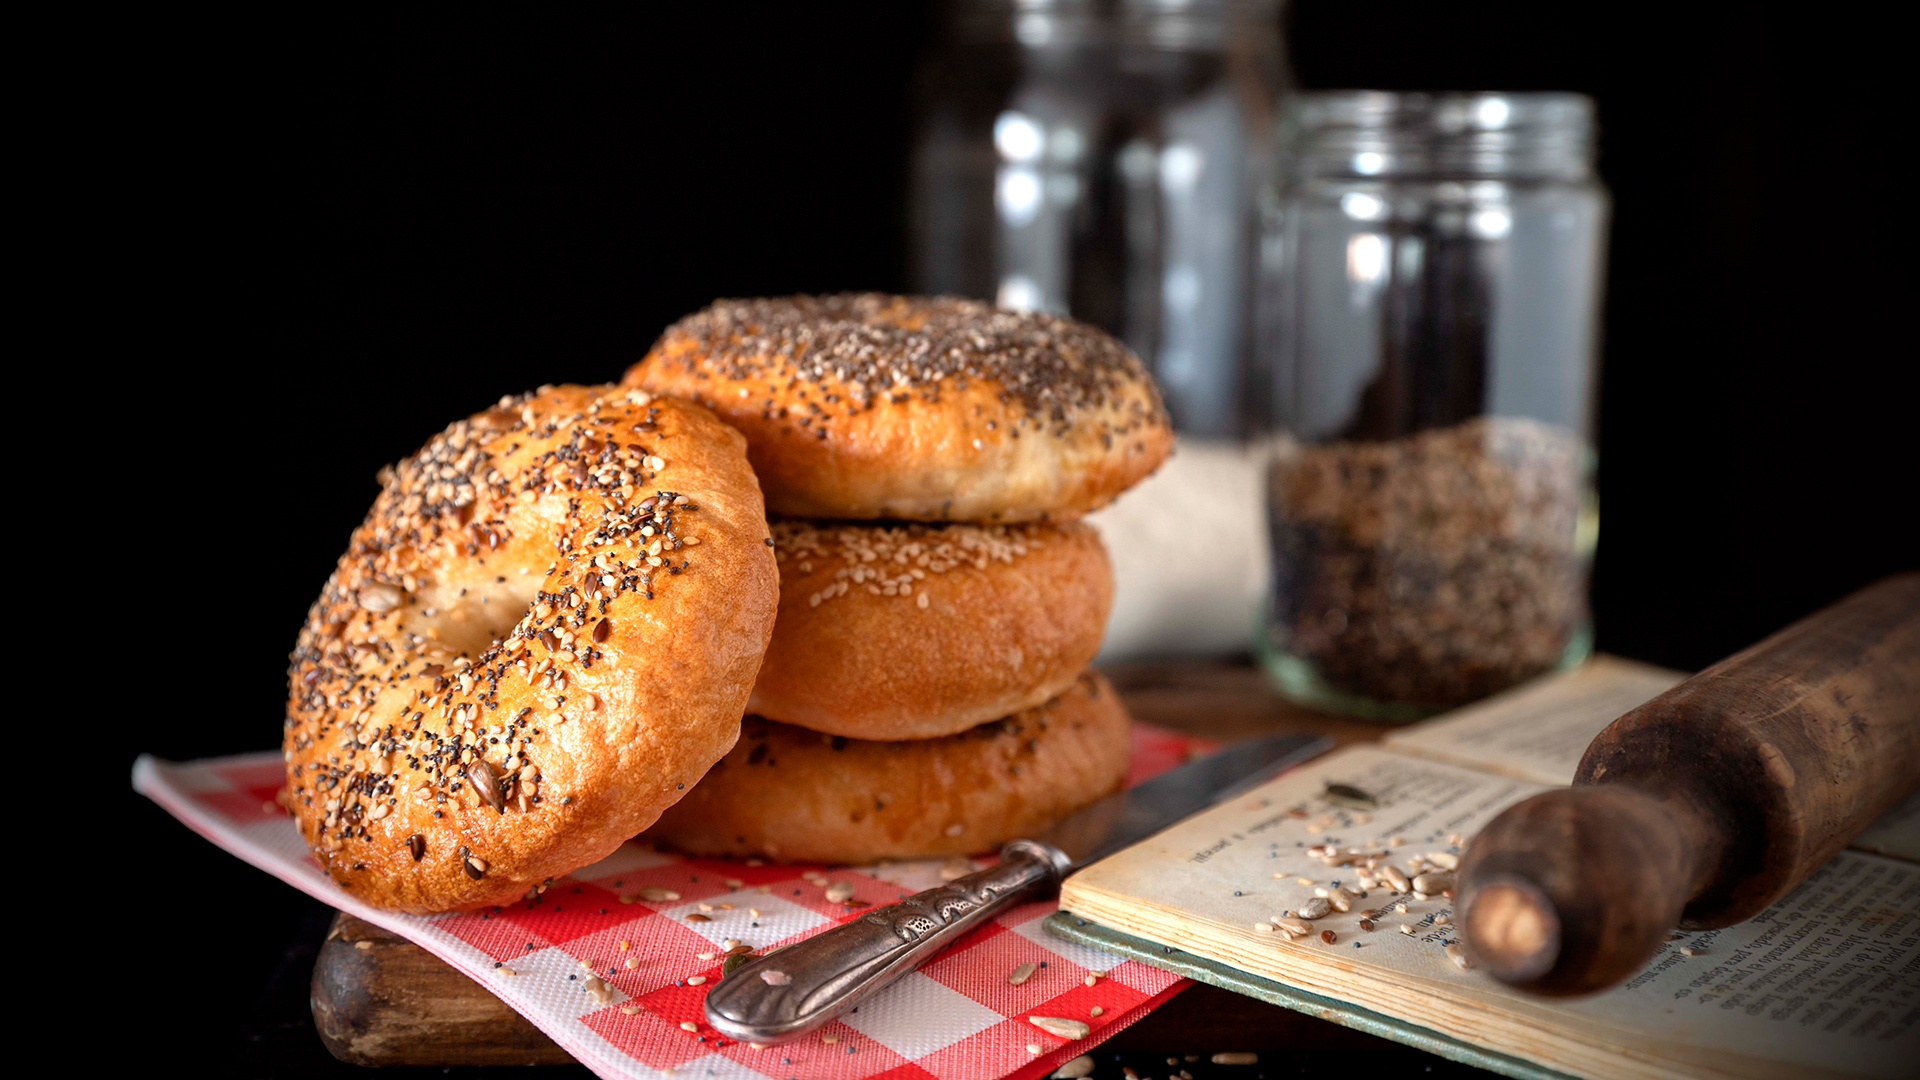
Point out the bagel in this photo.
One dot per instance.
(915, 631)
(793, 794)
(542, 634)
(926, 409)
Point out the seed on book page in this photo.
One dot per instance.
(775, 978)
(1329, 936)
(1061, 1026)
(1445, 860)
(1314, 908)
(1395, 878)
(1236, 1059)
(1337, 898)
(1433, 884)
(1293, 926)
(1366, 924)
(1022, 973)
(1442, 920)
(1459, 957)
(1076, 1069)
(1401, 908)
(688, 1025)
(1350, 797)
(840, 892)
(1406, 928)
(1688, 950)
(1265, 928)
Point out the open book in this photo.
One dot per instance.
(1824, 983)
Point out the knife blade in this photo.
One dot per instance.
(791, 991)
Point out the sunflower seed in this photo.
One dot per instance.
(1315, 908)
(1022, 973)
(1061, 1026)
(486, 786)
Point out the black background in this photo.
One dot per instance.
(317, 240)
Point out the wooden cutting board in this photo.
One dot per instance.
(378, 999)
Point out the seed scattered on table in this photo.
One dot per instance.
(1033, 1048)
(656, 893)
(1095, 1011)
(1061, 1026)
(688, 1025)
(630, 1010)
(696, 980)
(840, 892)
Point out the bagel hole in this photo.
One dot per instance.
(471, 612)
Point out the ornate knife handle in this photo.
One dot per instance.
(790, 992)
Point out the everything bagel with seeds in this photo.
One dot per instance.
(871, 406)
(801, 796)
(544, 632)
(913, 631)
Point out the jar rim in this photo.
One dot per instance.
(1493, 133)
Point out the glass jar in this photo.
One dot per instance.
(1431, 273)
(1100, 158)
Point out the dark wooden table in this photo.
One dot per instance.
(380, 1000)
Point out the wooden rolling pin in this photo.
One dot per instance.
(1706, 804)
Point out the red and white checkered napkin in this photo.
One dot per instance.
(955, 1019)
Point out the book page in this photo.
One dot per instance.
(1897, 833)
(1537, 731)
(1825, 983)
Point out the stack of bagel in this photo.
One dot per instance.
(925, 464)
(852, 519)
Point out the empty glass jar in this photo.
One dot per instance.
(1431, 272)
(1101, 158)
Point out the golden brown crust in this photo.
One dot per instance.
(913, 408)
(916, 631)
(793, 794)
(542, 634)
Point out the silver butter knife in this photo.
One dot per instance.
(789, 992)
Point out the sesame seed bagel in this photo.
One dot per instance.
(913, 631)
(797, 795)
(542, 634)
(923, 409)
